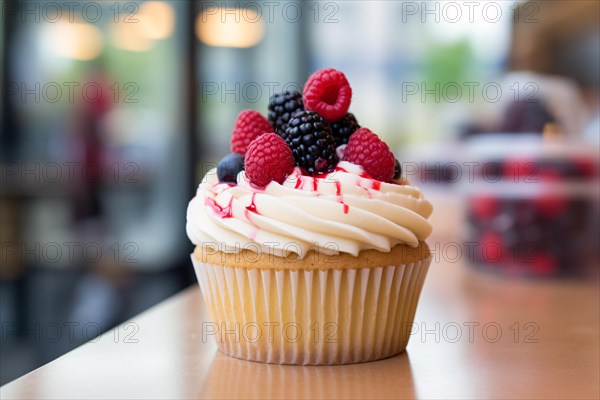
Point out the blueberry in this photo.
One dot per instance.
(397, 170)
(229, 167)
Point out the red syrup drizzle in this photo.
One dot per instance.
(247, 211)
(367, 191)
(338, 193)
(376, 185)
(223, 212)
(252, 206)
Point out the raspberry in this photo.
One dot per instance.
(343, 128)
(248, 126)
(328, 93)
(367, 150)
(268, 159)
(281, 108)
(312, 143)
(484, 207)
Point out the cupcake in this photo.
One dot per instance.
(309, 245)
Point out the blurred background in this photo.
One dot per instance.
(112, 112)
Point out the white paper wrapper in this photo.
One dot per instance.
(319, 317)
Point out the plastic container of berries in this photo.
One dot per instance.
(532, 206)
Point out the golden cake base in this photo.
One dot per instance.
(308, 312)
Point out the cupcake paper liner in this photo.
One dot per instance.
(310, 317)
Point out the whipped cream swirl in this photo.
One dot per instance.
(343, 211)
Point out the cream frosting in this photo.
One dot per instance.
(343, 211)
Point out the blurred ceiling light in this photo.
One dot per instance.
(230, 28)
(156, 20)
(74, 40)
(128, 36)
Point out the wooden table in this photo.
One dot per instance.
(548, 348)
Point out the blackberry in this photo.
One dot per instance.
(343, 128)
(281, 108)
(312, 142)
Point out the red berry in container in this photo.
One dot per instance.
(328, 93)
(268, 159)
(484, 207)
(549, 175)
(586, 168)
(492, 248)
(551, 205)
(542, 263)
(248, 126)
(521, 170)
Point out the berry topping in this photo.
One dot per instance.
(312, 142)
(248, 126)
(281, 108)
(343, 128)
(367, 150)
(229, 167)
(268, 159)
(328, 93)
(397, 170)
